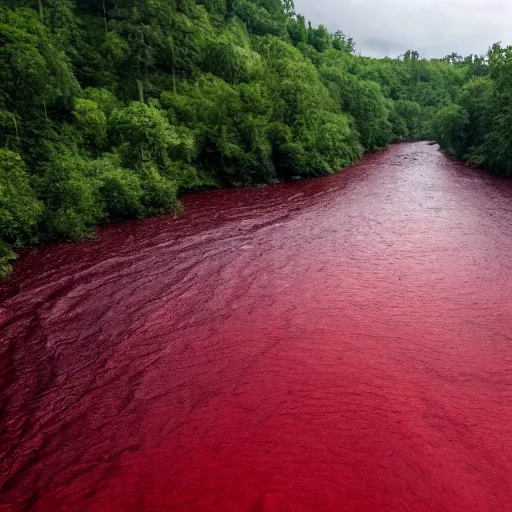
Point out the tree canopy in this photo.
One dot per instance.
(110, 109)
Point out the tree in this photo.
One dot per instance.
(411, 56)
(319, 38)
(450, 126)
(20, 210)
(342, 43)
(142, 134)
(297, 30)
(453, 58)
(36, 76)
(405, 118)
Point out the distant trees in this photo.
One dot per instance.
(453, 58)
(411, 56)
(343, 43)
(450, 126)
(406, 120)
(477, 127)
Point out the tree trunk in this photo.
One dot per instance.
(105, 16)
(41, 12)
(173, 71)
(16, 128)
(140, 89)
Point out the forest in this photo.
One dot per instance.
(112, 109)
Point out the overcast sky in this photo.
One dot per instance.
(435, 28)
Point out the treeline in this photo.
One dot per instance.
(109, 109)
(477, 126)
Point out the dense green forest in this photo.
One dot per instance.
(111, 109)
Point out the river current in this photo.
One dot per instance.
(338, 344)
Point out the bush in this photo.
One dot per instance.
(20, 211)
(121, 193)
(226, 58)
(143, 134)
(159, 195)
(91, 123)
(450, 127)
(6, 255)
(405, 118)
(69, 188)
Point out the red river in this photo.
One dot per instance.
(339, 344)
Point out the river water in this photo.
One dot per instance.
(340, 344)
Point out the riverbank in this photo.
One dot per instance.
(337, 340)
(9, 255)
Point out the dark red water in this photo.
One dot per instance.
(341, 344)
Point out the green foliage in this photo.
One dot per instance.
(103, 98)
(6, 255)
(230, 124)
(297, 30)
(20, 211)
(158, 193)
(332, 145)
(496, 120)
(110, 109)
(225, 57)
(343, 43)
(405, 118)
(364, 101)
(69, 189)
(450, 126)
(262, 16)
(319, 38)
(9, 129)
(369, 109)
(475, 98)
(142, 133)
(91, 123)
(120, 189)
(36, 75)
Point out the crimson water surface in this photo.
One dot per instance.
(340, 344)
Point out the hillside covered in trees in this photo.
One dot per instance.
(110, 109)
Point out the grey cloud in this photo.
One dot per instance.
(380, 46)
(433, 27)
